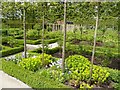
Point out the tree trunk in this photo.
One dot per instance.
(25, 49)
(64, 39)
(93, 52)
(43, 41)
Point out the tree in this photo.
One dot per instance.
(24, 27)
(95, 34)
(64, 39)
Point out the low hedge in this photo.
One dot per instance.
(11, 51)
(49, 41)
(19, 37)
(34, 80)
(48, 51)
(4, 47)
(34, 42)
(87, 50)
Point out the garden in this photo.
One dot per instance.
(85, 57)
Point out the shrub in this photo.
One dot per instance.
(38, 26)
(49, 41)
(32, 64)
(84, 86)
(80, 69)
(48, 51)
(10, 41)
(4, 47)
(53, 50)
(36, 63)
(11, 51)
(19, 37)
(34, 80)
(32, 34)
(53, 35)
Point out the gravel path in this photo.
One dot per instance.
(7, 81)
(32, 47)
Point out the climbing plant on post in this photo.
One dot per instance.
(64, 39)
(95, 34)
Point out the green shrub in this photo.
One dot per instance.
(53, 50)
(48, 51)
(84, 86)
(80, 68)
(10, 41)
(114, 75)
(34, 80)
(5, 32)
(36, 63)
(4, 47)
(32, 34)
(11, 51)
(32, 64)
(49, 41)
(53, 35)
(19, 37)
(38, 26)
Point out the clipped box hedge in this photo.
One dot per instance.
(34, 80)
(48, 51)
(11, 51)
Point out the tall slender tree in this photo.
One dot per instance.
(43, 24)
(64, 39)
(95, 34)
(24, 27)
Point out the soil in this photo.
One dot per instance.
(114, 62)
(72, 83)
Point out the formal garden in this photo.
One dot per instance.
(86, 57)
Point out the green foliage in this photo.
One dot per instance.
(10, 41)
(32, 64)
(48, 51)
(11, 51)
(38, 27)
(34, 80)
(53, 35)
(80, 69)
(19, 37)
(49, 29)
(84, 86)
(35, 63)
(32, 34)
(49, 41)
(4, 47)
(53, 50)
(114, 75)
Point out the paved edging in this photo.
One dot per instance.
(7, 81)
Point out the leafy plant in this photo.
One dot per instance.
(32, 34)
(84, 85)
(35, 63)
(80, 69)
